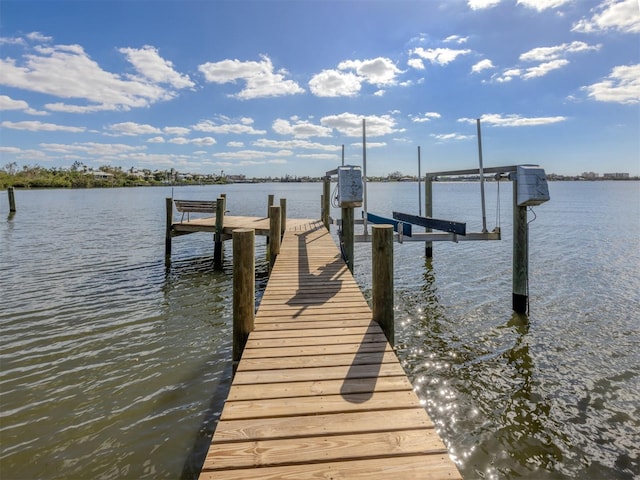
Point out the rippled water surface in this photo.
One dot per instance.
(114, 365)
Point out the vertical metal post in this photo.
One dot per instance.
(419, 188)
(484, 210)
(364, 172)
(169, 222)
(428, 212)
(343, 154)
(244, 285)
(382, 279)
(520, 295)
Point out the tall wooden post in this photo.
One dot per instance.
(270, 199)
(12, 200)
(167, 237)
(326, 201)
(217, 249)
(283, 215)
(520, 254)
(382, 279)
(274, 234)
(428, 212)
(347, 236)
(244, 288)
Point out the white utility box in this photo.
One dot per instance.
(532, 186)
(349, 186)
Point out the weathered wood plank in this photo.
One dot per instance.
(315, 449)
(326, 349)
(324, 424)
(415, 467)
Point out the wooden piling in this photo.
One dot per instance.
(283, 215)
(347, 236)
(270, 200)
(382, 279)
(167, 238)
(12, 200)
(244, 294)
(217, 249)
(274, 234)
(326, 201)
(520, 294)
(428, 212)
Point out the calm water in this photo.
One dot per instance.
(113, 366)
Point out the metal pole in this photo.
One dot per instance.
(484, 211)
(419, 191)
(364, 171)
(343, 154)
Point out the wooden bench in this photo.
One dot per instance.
(195, 206)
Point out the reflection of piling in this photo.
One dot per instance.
(12, 200)
(520, 294)
(382, 279)
(243, 288)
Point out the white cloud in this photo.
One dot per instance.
(156, 140)
(334, 83)
(295, 144)
(622, 85)
(443, 137)
(545, 54)
(544, 68)
(482, 65)
(377, 71)
(427, 117)
(439, 56)
(132, 129)
(178, 131)
(300, 129)
(148, 62)
(350, 124)
(8, 103)
(36, 126)
(482, 4)
(91, 148)
(252, 154)
(621, 15)
(456, 39)
(203, 141)
(234, 128)
(541, 5)
(260, 78)
(513, 120)
(66, 71)
(235, 144)
(416, 63)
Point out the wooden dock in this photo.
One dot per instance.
(319, 392)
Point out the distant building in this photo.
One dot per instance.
(590, 175)
(616, 176)
(100, 175)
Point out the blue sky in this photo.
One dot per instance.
(270, 88)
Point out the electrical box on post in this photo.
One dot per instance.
(532, 186)
(349, 186)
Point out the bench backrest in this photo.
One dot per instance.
(199, 206)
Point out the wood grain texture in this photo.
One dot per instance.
(319, 393)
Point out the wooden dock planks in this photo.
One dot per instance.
(319, 392)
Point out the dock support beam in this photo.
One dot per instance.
(167, 238)
(221, 204)
(428, 212)
(382, 279)
(520, 295)
(274, 234)
(326, 201)
(244, 289)
(347, 238)
(12, 200)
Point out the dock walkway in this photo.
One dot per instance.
(319, 392)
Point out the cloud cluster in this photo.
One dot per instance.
(347, 79)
